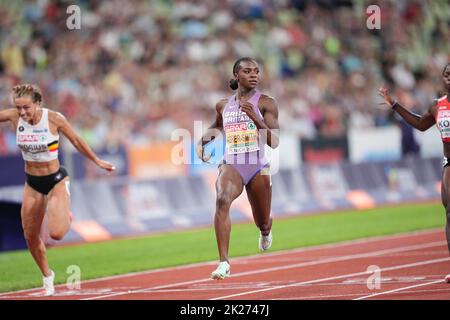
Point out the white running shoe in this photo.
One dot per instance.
(49, 288)
(265, 242)
(222, 271)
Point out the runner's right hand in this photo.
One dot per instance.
(384, 92)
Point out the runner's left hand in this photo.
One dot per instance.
(105, 165)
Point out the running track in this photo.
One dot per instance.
(412, 266)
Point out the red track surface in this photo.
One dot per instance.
(412, 266)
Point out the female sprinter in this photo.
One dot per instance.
(249, 120)
(438, 113)
(47, 183)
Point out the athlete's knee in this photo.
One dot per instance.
(32, 239)
(223, 202)
(57, 235)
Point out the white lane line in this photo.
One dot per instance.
(410, 265)
(400, 289)
(199, 289)
(291, 266)
(320, 297)
(356, 294)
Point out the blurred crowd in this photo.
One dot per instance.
(137, 70)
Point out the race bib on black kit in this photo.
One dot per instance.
(443, 123)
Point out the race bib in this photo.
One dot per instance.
(241, 138)
(443, 123)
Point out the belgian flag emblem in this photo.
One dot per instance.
(53, 146)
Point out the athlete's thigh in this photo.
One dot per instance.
(259, 192)
(229, 183)
(59, 199)
(32, 211)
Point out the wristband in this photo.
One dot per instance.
(394, 105)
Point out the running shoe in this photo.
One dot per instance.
(222, 271)
(265, 242)
(49, 288)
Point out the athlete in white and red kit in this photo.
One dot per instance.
(47, 183)
(439, 114)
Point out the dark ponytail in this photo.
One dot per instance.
(237, 65)
(234, 84)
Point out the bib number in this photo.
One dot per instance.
(443, 123)
(242, 138)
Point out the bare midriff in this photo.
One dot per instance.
(41, 168)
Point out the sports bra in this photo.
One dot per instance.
(37, 142)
